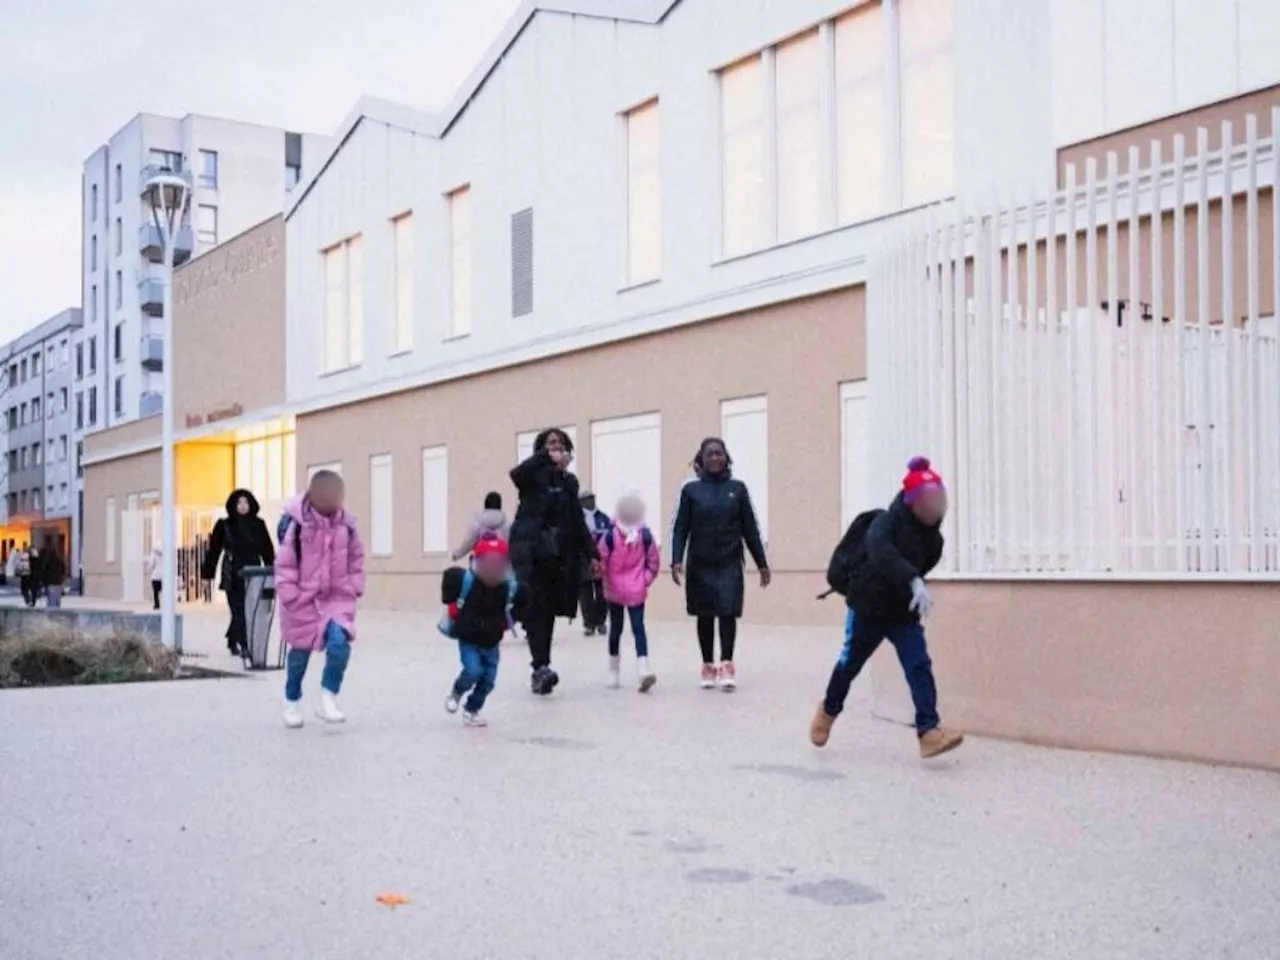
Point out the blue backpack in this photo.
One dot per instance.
(447, 623)
(646, 536)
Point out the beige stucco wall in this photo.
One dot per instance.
(229, 338)
(796, 353)
(1186, 670)
(116, 478)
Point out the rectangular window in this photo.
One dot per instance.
(522, 263)
(24, 369)
(928, 81)
(626, 455)
(93, 406)
(460, 262)
(110, 529)
(644, 194)
(117, 342)
(93, 305)
(119, 289)
(119, 237)
(93, 354)
(93, 202)
(35, 410)
(744, 424)
(35, 364)
(435, 500)
(64, 396)
(79, 458)
(800, 137)
(209, 169)
(861, 186)
(35, 499)
(742, 156)
(381, 497)
(62, 449)
(80, 354)
(170, 160)
(402, 229)
(63, 500)
(292, 174)
(524, 445)
(119, 396)
(64, 352)
(93, 252)
(80, 411)
(119, 182)
(343, 305)
(855, 452)
(207, 224)
(25, 457)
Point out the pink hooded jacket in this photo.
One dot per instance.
(629, 569)
(329, 581)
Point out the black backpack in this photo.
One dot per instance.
(847, 554)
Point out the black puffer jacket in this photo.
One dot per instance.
(241, 541)
(713, 522)
(550, 543)
(898, 548)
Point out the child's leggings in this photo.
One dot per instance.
(707, 637)
(616, 611)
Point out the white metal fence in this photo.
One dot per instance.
(1096, 373)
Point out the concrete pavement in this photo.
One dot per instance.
(183, 821)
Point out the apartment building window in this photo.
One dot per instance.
(64, 353)
(37, 454)
(79, 411)
(93, 355)
(119, 237)
(460, 262)
(119, 289)
(522, 263)
(24, 369)
(93, 202)
(117, 342)
(35, 364)
(64, 397)
(344, 305)
(80, 354)
(93, 252)
(22, 501)
(928, 126)
(209, 169)
(93, 406)
(170, 160)
(25, 457)
(50, 408)
(79, 458)
(292, 174)
(93, 304)
(381, 498)
(742, 156)
(644, 194)
(402, 229)
(63, 496)
(207, 224)
(35, 499)
(13, 503)
(35, 410)
(119, 182)
(802, 209)
(118, 396)
(62, 449)
(435, 499)
(22, 415)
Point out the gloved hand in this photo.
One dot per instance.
(921, 599)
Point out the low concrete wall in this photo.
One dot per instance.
(88, 621)
(1188, 670)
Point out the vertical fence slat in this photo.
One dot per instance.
(998, 377)
(1091, 358)
(1252, 428)
(1232, 334)
(950, 404)
(1020, 541)
(1134, 399)
(1109, 344)
(1035, 449)
(1050, 394)
(1161, 442)
(1071, 392)
(930, 385)
(1017, 506)
(1275, 310)
(963, 448)
(1179, 341)
(1207, 514)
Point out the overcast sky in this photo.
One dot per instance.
(72, 72)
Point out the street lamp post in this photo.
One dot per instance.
(169, 195)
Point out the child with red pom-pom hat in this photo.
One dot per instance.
(888, 600)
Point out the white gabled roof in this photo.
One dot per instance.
(437, 125)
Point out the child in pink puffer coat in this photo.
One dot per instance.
(319, 579)
(630, 562)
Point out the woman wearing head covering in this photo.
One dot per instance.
(240, 539)
(714, 521)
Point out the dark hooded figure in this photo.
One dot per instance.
(241, 540)
(550, 545)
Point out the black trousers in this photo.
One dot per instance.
(707, 637)
(237, 632)
(591, 600)
(540, 626)
(29, 591)
(155, 594)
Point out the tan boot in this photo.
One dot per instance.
(939, 741)
(820, 727)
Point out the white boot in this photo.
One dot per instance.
(328, 710)
(647, 679)
(292, 715)
(615, 670)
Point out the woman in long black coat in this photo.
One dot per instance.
(550, 544)
(240, 539)
(713, 522)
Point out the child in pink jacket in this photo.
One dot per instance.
(630, 562)
(319, 578)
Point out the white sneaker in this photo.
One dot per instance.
(728, 677)
(328, 710)
(647, 679)
(470, 719)
(451, 702)
(293, 718)
(615, 671)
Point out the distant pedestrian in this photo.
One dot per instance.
(481, 603)
(53, 575)
(155, 570)
(590, 587)
(715, 519)
(490, 521)
(630, 561)
(26, 568)
(319, 581)
(240, 539)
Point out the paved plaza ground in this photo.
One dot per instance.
(182, 821)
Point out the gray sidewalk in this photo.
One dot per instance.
(183, 821)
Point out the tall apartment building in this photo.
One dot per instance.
(240, 173)
(41, 463)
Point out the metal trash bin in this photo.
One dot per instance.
(259, 613)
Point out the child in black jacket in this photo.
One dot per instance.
(888, 599)
(481, 605)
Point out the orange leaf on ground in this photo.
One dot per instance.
(392, 900)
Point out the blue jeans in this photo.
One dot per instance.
(479, 674)
(337, 653)
(862, 635)
(636, 614)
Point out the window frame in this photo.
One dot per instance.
(207, 181)
(460, 325)
(342, 308)
(438, 453)
(378, 524)
(403, 270)
(638, 175)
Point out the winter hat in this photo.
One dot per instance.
(920, 477)
(491, 546)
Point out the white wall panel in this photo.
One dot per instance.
(1259, 41)
(435, 500)
(1204, 51)
(1139, 61)
(626, 456)
(855, 452)
(744, 427)
(381, 498)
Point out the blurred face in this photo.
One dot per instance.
(630, 512)
(930, 507)
(588, 503)
(326, 496)
(714, 458)
(491, 569)
(242, 505)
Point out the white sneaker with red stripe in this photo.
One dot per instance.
(728, 677)
(710, 676)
